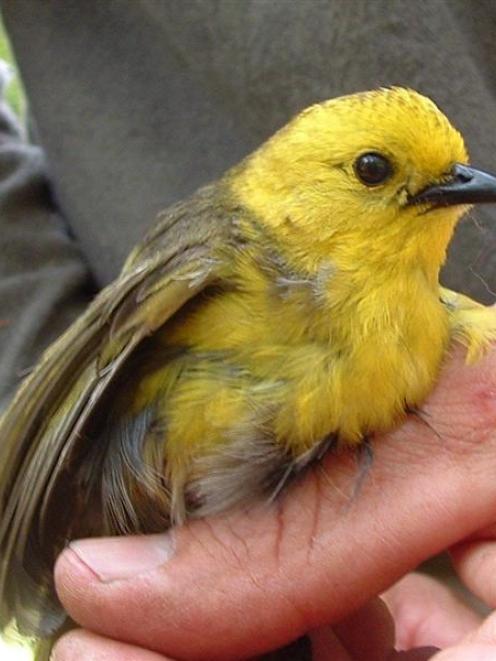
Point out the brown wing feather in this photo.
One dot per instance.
(42, 431)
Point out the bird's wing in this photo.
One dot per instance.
(45, 423)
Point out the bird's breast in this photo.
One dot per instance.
(382, 357)
(304, 368)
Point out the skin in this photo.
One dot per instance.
(315, 561)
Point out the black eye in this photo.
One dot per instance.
(373, 169)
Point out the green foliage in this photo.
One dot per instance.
(14, 93)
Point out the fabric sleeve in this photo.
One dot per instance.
(44, 283)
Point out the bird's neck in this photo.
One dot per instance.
(336, 303)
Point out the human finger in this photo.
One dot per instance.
(87, 646)
(427, 612)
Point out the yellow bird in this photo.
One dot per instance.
(290, 307)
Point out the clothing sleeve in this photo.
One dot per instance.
(44, 283)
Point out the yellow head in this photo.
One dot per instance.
(338, 181)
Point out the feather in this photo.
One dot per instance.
(44, 439)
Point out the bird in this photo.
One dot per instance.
(289, 309)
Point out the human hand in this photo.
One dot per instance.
(243, 583)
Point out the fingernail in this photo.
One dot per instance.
(120, 558)
(416, 654)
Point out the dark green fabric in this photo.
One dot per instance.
(137, 102)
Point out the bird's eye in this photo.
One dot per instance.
(373, 169)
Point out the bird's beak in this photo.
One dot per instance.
(465, 185)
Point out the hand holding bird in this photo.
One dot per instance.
(313, 562)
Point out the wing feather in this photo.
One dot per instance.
(43, 430)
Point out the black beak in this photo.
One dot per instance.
(466, 185)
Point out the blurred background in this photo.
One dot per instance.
(14, 93)
(10, 650)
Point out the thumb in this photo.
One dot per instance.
(243, 583)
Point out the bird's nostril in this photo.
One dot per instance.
(461, 174)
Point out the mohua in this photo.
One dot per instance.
(291, 306)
